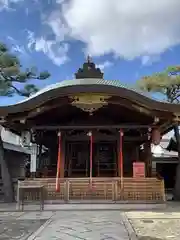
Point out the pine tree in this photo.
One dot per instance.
(168, 84)
(12, 73)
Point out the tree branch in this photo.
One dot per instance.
(19, 92)
(10, 73)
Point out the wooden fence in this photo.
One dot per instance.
(111, 189)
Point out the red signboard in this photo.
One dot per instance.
(138, 169)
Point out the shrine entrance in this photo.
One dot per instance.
(77, 159)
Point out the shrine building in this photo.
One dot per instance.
(91, 138)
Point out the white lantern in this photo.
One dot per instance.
(26, 138)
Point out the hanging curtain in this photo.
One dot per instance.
(121, 155)
(58, 163)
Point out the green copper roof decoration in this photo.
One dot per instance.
(89, 74)
(89, 70)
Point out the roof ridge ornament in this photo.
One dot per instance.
(88, 59)
(89, 70)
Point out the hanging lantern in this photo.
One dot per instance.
(156, 136)
(26, 139)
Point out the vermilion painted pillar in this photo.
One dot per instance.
(58, 163)
(121, 154)
(62, 167)
(91, 157)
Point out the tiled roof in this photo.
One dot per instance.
(86, 81)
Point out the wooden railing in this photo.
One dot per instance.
(112, 189)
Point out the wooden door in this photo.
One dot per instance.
(77, 159)
(105, 159)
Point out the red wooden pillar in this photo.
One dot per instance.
(58, 163)
(91, 157)
(121, 155)
(62, 167)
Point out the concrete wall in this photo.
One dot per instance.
(16, 162)
(10, 137)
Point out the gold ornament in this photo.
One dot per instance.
(89, 102)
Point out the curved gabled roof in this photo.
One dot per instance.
(88, 85)
(85, 81)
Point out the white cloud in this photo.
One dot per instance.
(148, 60)
(56, 51)
(127, 28)
(6, 4)
(60, 1)
(57, 25)
(16, 48)
(104, 65)
(19, 49)
(145, 60)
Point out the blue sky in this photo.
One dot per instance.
(125, 40)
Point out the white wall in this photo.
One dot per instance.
(10, 137)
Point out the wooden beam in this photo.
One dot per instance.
(81, 127)
(45, 108)
(132, 106)
(37, 111)
(108, 138)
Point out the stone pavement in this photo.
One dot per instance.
(4, 207)
(66, 225)
(13, 227)
(103, 225)
(91, 222)
(151, 225)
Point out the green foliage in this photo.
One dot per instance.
(11, 73)
(167, 83)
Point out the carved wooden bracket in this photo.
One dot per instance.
(142, 109)
(89, 102)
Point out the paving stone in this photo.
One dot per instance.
(155, 226)
(10, 215)
(18, 229)
(94, 225)
(36, 215)
(153, 214)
